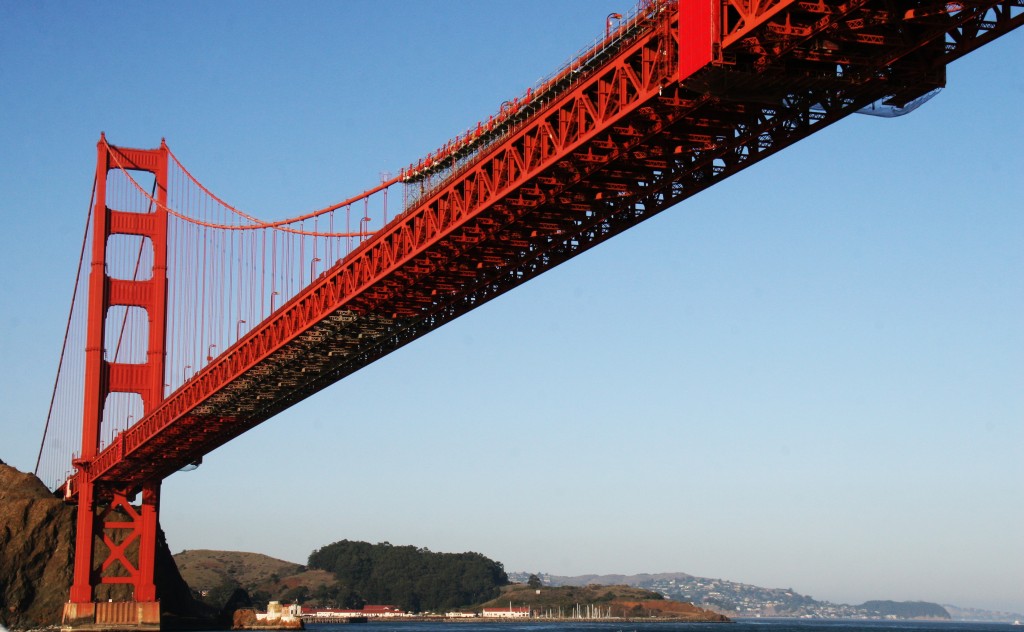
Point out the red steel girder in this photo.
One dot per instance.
(529, 202)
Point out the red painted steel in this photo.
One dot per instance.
(96, 498)
(636, 127)
(698, 29)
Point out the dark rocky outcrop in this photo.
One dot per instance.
(36, 551)
(37, 559)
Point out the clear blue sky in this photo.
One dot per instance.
(810, 376)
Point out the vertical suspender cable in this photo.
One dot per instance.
(263, 271)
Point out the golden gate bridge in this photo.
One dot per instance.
(192, 321)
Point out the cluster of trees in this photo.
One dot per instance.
(415, 579)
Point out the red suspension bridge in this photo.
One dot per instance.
(193, 321)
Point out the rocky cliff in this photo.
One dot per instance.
(36, 551)
(37, 558)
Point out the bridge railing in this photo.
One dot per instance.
(437, 168)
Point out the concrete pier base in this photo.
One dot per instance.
(111, 615)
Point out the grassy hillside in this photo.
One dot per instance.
(204, 569)
(215, 575)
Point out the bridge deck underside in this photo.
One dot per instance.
(642, 143)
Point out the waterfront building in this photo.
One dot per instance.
(519, 612)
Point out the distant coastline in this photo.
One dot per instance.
(747, 601)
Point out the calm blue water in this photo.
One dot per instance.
(742, 625)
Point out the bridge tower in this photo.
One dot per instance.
(115, 540)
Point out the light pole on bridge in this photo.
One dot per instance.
(608, 23)
(312, 268)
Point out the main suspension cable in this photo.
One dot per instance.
(67, 328)
(282, 225)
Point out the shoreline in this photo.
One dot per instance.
(525, 620)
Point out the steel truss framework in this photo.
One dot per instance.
(706, 89)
